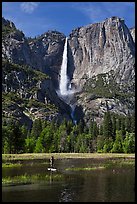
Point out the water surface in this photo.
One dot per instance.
(101, 185)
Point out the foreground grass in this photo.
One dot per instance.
(109, 164)
(31, 156)
(102, 162)
(85, 168)
(11, 165)
(27, 179)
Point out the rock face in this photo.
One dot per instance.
(29, 94)
(43, 53)
(132, 31)
(101, 65)
(100, 48)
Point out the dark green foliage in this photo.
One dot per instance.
(47, 136)
(30, 144)
(36, 128)
(117, 146)
(118, 123)
(123, 129)
(6, 30)
(107, 125)
(133, 123)
(101, 130)
(13, 137)
(20, 84)
(129, 143)
(100, 143)
(128, 123)
(113, 127)
(93, 129)
(108, 144)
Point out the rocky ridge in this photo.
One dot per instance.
(29, 94)
(101, 63)
(102, 47)
(43, 53)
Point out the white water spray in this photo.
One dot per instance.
(63, 74)
(65, 88)
(66, 91)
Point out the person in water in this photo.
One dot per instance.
(52, 162)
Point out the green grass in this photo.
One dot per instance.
(31, 156)
(26, 179)
(85, 168)
(120, 163)
(11, 165)
(109, 164)
(104, 161)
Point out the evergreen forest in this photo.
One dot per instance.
(115, 135)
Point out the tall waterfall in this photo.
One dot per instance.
(66, 91)
(63, 73)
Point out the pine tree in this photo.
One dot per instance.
(133, 123)
(29, 144)
(118, 123)
(129, 143)
(108, 144)
(91, 128)
(123, 130)
(36, 128)
(128, 123)
(81, 126)
(100, 143)
(113, 127)
(6, 140)
(107, 125)
(101, 130)
(95, 129)
(18, 138)
(47, 137)
(39, 146)
(117, 146)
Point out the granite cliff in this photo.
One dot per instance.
(101, 63)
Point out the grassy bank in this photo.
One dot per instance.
(101, 162)
(108, 164)
(11, 165)
(27, 179)
(31, 156)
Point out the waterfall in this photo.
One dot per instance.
(66, 92)
(63, 74)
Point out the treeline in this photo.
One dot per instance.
(116, 134)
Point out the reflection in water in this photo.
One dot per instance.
(51, 177)
(76, 186)
(66, 195)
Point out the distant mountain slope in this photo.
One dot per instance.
(29, 94)
(132, 31)
(43, 53)
(101, 62)
(101, 47)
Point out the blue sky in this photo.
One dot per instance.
(35, 18)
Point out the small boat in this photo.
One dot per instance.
(52, 169)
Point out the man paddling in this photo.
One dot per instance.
(52, 162)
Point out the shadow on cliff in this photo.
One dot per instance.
(78, 114)
(71, 66)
